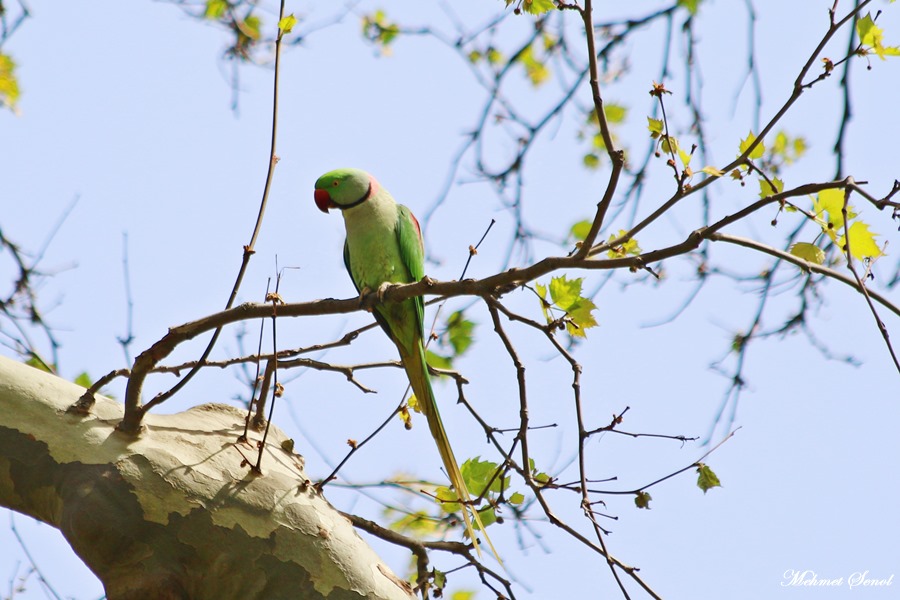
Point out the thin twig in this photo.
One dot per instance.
(133, 410)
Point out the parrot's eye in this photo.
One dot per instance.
(334, 183)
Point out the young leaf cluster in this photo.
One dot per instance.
(616, 114)
(243, 23)
(828, 207)
(9, 85)
(532, 7)
(565, 297)
(380, 31)
(871, 39)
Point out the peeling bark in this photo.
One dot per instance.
(171, 513)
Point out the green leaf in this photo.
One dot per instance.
(545, 305)
(535, 69)
(541, 478)
(808, 252)
(872, 36)
(642, 500)
(770, 188)
(440, 579)
(251, 27)
(437, 361)
(655, 126)
(479, 473)
(622, 250)
(287, 23)
(378, 30)
(738, 342)
(459, 331)
(684, 157)
(538, 7)
(615, 113)
(867, 30)
(581, 317)
(418, 522)
(709, 170)
(690, 5)
(449, 502)
(780, 144)
(706, 480)
(828, 206)
(565, 292)
(786, 150)
(862, 242)
(758, 151)
(9, 85)
(38, 364)
(516, 498)
(550, 42)
(215, 9)
(580, 230)
(447, 499)
(669, 144)
(462, 595)
(488, 517)
(494, 56)
(83, 379)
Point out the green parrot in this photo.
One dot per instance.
(384, 246)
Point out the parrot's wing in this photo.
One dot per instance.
(412, 253)
(347, 265)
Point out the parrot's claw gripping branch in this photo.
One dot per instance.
(366, 301)
(369, 298)
(382, 290)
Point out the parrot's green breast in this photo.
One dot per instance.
(373, 253)
(374, 256)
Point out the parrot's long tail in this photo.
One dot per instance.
(417, 371)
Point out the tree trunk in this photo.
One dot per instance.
(172, 513)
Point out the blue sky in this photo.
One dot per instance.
(126, 108)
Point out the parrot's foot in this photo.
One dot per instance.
(364, 301)
(365, 295)
(382, 290)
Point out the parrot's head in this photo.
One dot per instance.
(343, 189)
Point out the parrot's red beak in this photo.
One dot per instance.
(323, 200)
